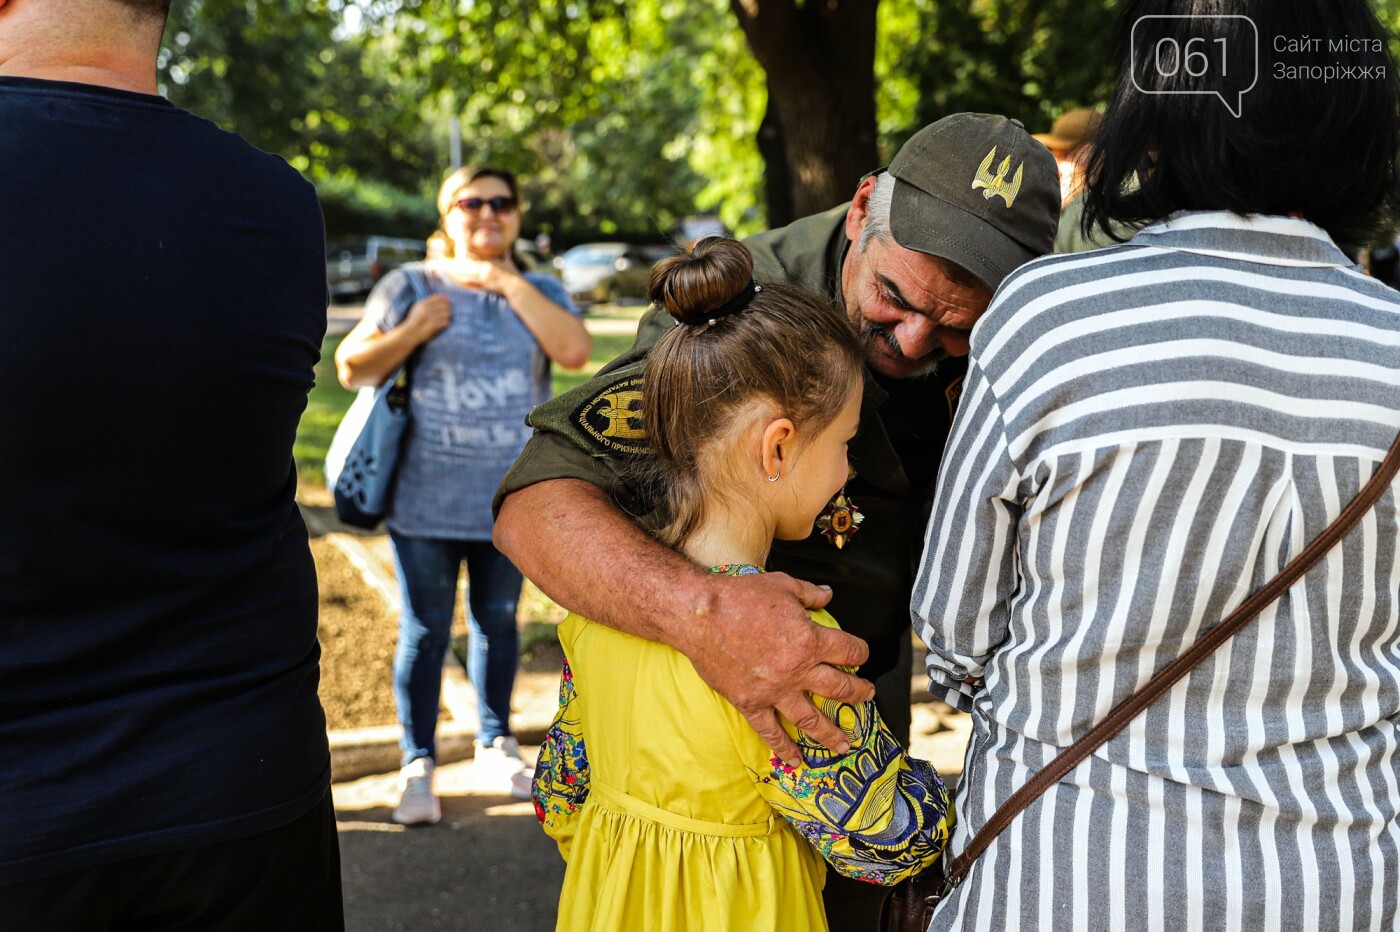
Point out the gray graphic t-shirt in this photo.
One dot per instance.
(473, 384)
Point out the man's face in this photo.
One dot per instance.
(909, 312)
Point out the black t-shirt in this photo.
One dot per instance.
(162, 308)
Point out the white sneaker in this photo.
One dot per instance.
(419, 804)
(522, 785)
(500, 764)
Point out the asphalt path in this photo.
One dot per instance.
(341, 317)
(487, 865)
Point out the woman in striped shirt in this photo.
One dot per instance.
(1147, 433)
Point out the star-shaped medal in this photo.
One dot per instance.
(840, 520)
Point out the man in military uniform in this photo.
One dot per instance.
(913, 259)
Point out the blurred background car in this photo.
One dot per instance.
(355, 264)
(609, 272)
(534, 258)
(697, 227)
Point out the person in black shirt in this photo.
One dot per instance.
(163, 756)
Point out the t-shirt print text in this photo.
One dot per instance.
(459, 391)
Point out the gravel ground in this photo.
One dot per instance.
(357, 633)
(357, 644)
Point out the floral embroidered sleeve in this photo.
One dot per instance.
(561, 777)
(875, 814)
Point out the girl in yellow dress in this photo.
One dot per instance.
(671, 812)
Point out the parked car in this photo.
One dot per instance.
(607, 272)
(531, 258)
(355, 264)
(699, 226)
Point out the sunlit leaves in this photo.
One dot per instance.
(622, 117)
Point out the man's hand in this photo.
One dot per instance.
(749, 637)
(755, 645)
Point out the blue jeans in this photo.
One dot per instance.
(428, 571)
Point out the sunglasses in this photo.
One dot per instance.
(498, 205)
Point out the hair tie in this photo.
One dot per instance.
(732, 306)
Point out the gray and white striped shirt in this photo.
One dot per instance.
(1147, 433)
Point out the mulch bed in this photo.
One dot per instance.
(357, 633)
(357, 637)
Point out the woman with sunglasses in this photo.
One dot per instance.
(479, 334)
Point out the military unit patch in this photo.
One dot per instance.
(612, 419)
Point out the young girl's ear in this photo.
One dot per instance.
(779, 438)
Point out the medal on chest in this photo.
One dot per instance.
(840, 520)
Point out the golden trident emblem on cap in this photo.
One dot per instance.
(997, 186)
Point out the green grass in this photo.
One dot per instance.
(324, 409)
(328, 400)
(606, 347)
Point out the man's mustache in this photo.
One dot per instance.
(875, 332)
(870, 332)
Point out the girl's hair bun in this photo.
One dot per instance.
(692, 285)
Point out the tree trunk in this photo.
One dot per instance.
(819, 57)
(777, 180)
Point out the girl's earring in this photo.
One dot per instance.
(774, 477)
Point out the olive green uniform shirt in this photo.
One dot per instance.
(589, 432)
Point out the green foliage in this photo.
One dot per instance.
(722, 148)
(622, 116)
(280, 74)
(597, 104)
(1028, 59)
(354, 204)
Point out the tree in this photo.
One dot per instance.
(621, 116)
(280, 74)
(602, 106)
(1027, 59)
(832, 68)
(820, 64)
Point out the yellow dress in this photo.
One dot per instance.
(674, 816)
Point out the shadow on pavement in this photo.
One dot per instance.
(485, 866)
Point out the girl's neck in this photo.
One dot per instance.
(727, 536)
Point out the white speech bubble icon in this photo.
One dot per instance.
(1182, 57)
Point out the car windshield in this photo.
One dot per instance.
(592, 255)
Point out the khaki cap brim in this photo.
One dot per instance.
(928, 224)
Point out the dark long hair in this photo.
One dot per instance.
(1307, 141)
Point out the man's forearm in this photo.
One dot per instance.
(569, 538)
(749, 637)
